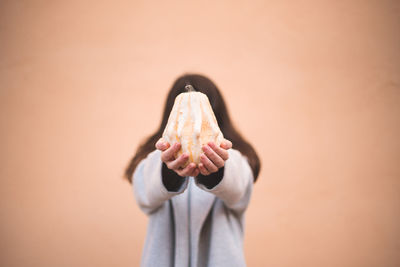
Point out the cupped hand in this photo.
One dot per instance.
(176, 164)
(214, 157)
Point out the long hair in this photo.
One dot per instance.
(206, 86)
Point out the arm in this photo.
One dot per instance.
(160, 176)
(233, 183)
(151, 188)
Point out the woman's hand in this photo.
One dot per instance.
(214, 157)
(168, 157)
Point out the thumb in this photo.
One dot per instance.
(162, 144)
(226, 144)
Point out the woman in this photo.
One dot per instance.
(196, 213)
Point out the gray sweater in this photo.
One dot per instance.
(194, 224)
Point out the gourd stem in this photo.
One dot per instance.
(189, 88)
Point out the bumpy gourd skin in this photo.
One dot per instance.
(192, 123)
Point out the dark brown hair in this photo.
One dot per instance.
(206, 86)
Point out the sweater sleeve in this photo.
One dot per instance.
(151, 188)
(171, 180)
(233, 184)
(210, 181)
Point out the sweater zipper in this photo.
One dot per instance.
(189, 224)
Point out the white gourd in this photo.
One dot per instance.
(192, 123)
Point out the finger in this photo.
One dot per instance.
(226, 144)
(187, 171)
(177, 163)
(159, 143)
(203, 169)
(213, 156)
(191, 170)
(195, 172)
(220, 151)
(208, 164)
(162, 144)
(169, 154)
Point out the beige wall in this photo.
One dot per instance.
(314, 85)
